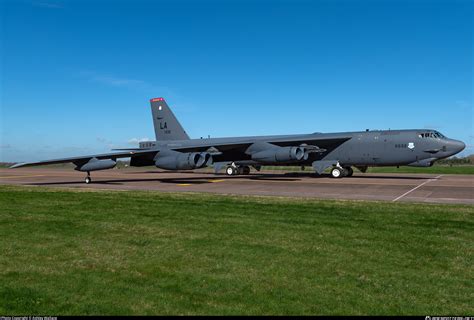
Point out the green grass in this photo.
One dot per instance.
(84, 252)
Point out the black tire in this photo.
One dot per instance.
(245, 170)
(88, 180)
(349, 171)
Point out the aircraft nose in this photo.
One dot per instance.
(460, 145)
(456, 146)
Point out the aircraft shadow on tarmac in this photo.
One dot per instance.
(189, 180)
(284, 177)
(281, 176)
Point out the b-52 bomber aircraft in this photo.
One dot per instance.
(174, 150)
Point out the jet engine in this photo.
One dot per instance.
(280, 154)
(173, 160)
(95, 164)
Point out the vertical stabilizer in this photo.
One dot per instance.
(167, 127)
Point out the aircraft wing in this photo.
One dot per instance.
(327, 142)
(312, 142)
(223, 150)
(85, 159)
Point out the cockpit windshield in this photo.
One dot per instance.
(434, 134)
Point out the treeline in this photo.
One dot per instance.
(457, 161)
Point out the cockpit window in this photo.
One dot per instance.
(435, 135)
(440, 135)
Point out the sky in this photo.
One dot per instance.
(76, 76)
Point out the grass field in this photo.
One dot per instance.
(97, 252)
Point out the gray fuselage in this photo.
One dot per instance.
(418, 147)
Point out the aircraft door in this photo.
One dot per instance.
(377, 148)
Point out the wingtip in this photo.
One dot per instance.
(17, 165)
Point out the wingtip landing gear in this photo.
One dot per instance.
(88, 178)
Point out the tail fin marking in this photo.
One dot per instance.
(167, 127)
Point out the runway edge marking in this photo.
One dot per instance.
(415, 188)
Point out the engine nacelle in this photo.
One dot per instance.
(174, 160)
(280, 154)
(96, 164)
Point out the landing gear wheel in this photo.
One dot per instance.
(231, 171)
(349, 171)
(88, 180)
(244, 170)
(337, 172)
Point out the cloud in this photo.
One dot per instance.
(102, 140)
(137, 140)
(5, 146)
(106, 142)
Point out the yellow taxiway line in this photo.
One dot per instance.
(190, 184)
